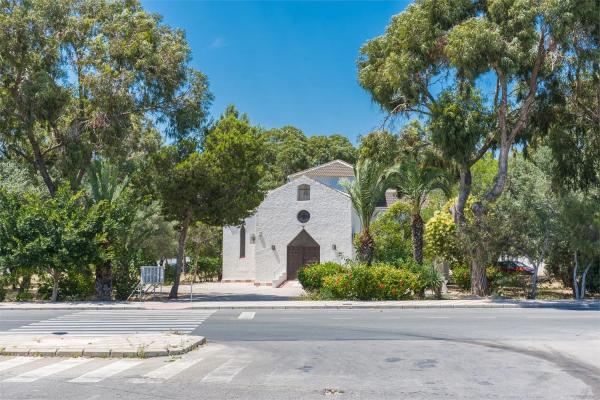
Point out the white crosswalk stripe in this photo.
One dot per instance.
(166, 372)
(247, 315)
(226, 372)
(216, 364)
(104, 323)
(48, 370)
(106, 372)
(15, 362)
(223, 373)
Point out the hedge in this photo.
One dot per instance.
(311, 276)
(377, 282)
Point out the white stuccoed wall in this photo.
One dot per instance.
(277, 224)
(234, 267)
(332, 221)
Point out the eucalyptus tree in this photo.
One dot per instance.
(289, 150)
(78, 77)
(366, 190)
(526, 217)
(379, 145)
(435, 54)
(580, 217)
(324, 148)
(286, 152)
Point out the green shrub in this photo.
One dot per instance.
(125, 278)
(311, 276)
(170, 273)
(335, 287)
(391, 233)
(376, 282)
(497, 279)
(461, 275)
(206, 268)
(428, 276)
(3, 283)
(74, 285)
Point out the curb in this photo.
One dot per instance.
(66, 307)
(398, 307)
(104, 353)
(362, 305)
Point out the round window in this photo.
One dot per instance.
(303, 216)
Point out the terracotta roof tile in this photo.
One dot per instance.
(336, 168)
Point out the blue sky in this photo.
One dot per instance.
(285, 62)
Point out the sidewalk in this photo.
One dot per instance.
(183, 304)
(133, 345)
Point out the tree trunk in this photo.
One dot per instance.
(40, 164)
(417, 237)
(575, 285)
(479, 283)
(366, 247)
(536, 266)
(103, 283)
(582, 286)
(534, 280)
(180, 253)
(24, 285)
(55, 278)
(464, 190)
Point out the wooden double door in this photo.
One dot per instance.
(301, 251)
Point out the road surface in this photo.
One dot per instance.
(322, 354)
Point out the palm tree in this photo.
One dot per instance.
(367, 188)
(105, 186)
(414, 182)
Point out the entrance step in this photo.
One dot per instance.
(291, 284)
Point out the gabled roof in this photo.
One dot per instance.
(335, 168)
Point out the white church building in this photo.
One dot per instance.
(309, 219)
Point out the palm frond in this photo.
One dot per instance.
(104, 181)
(368, 187)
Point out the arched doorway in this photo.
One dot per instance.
(301, 251)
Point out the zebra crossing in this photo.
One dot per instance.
(105, 323)
(221, 369)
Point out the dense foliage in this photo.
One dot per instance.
(360, 281)
(542, 57)
(311, 277)
(109, 159)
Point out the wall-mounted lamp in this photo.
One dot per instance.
(252, 238)
(333, 246)
(272, 247)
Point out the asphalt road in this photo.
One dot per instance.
(341, 354)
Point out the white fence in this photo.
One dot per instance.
(152, 275)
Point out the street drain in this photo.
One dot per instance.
(333, 392)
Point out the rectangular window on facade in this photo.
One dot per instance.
(242, 242)
(303, 192)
